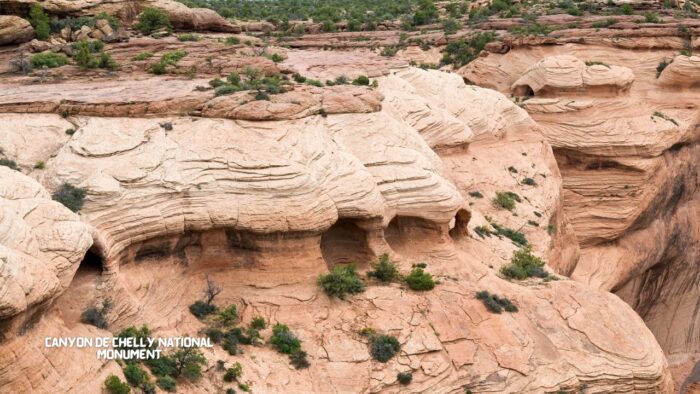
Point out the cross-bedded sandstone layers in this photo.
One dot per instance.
(629, 166)
(263, 207)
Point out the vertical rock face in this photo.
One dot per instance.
(41, 245)
(263, 207)
(629, 168)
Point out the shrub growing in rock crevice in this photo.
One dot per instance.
(97, 316)
(114, 385)
(524, 265)
(284, 341)
(384, 270)
(420, 280)
(341, 281)
(152, 19)
(384, 347)
(494, 303)
(70, 196)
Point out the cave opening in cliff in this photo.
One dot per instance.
(460, 229)
(91, 263)
(524, 91)
(407, 233)
(345, 243)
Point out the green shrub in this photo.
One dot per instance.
(389, 51)
(189, 37)
(298, 360)
(167, 59)
(230, 343)
(216, 82)
(188, 363)
(39, 165)
(420, 280)
(626, 9)
(524, 265)
(661, 67)
(49, 60)
(201, 309)
(258, 323)
(384, 347)
(284, 340)
(214, 334)
(234, 79)
(70, 196)
(596, 63)
(461, 52)
(88, 55)
(299, 78)
(362, 80)
(476, 194)
(512, 169)
(341, 281)
(664, 117)
(97, 316)
(529, 182)
(233, 40)
(135, 375)
(517, 237)
(114, 385)
(152, 19)
(40, 22)
(163, 366)
(275, 57)
(233, 373)
(167, 383)
(384, 270)
(341, 80)
(451, 26)
(225, 90)
(404, 378)
(9, 163)
(228, 316)
(506, 200)
(494, 303)
(651, 17)
(143, 56)
(313, 82)
(148, 387)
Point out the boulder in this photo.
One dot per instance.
(14, 30)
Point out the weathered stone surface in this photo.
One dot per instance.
(14, 30)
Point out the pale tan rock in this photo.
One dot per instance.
(41, 246)
(556, 74)
(683, 72)
(14, 30)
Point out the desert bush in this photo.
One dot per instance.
(451, 26)
(114, 385)
(70, 196)
(384, 270)
(275, 57)
(389, 51)
(597, 63)
(9, 164)
(298, 359)
(21, 63)
(476, 194)
(362, 80)
(214, 334)
(97, 316)
(404, 378)
(505, 200)
(189, 37)
(258, 323)
(461, 52)
(167, 59)
(233, 373)
(88, 54)
(40, 22)
(284, 340)
(341, 281)
(227, 316)
(517, 237)
(163, 366)
(384, 347)
(201, 309)
(662, 66)
(167, 383)
(152, 19)
(524, 265)
(135, 375)
(529, 182)
(225, 90)
(39, 165)
(420, 280)
(313, 82)
(232, 40)
(143, 56)
(494, 303)
(49, 60)
(188, 363)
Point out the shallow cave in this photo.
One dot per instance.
(405, 233)
(345, 243)
(91, 263)
(461, 229)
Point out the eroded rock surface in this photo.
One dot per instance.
(263, 207)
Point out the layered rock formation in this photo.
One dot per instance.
(629, 166)
(263, 207)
